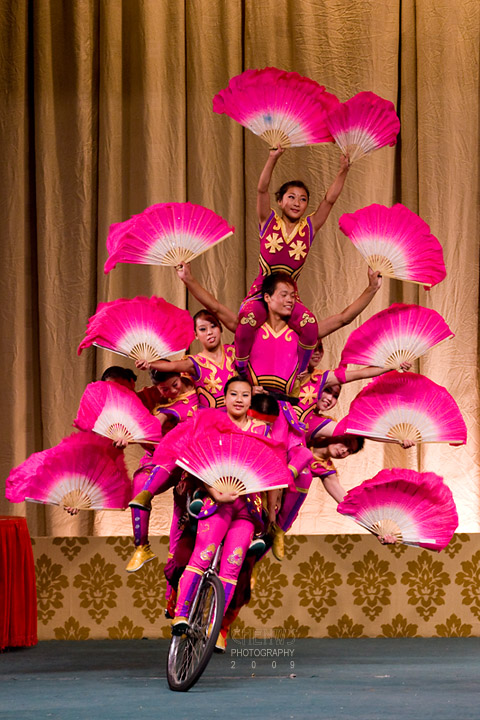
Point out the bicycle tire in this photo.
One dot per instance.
(189, 654)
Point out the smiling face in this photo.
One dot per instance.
(237, 399)
(282, 300)
(329, 398)
(293, 203)
(208, 332)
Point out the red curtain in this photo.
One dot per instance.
(18, 595)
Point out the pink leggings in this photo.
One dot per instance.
(233, 524)
(253, 314)
(293, 501)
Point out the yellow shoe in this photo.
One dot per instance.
(142, 555)
(278, 547)
(180, 625)
(143, 500)
(221, 643)
(253, 578)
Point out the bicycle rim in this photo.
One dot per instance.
(189, 654)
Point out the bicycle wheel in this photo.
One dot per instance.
(188, 654)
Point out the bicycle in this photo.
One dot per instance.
(189, 654)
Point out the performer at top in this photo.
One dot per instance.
(285, 241)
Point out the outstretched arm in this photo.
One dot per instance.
(263, 191)
(331, 196)
(335, 322)
(181, 366)
(333, 487)
(363, 373)
(205, 298)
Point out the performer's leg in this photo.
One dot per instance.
(304, 322)
(237, 540)
(251, 317)
(293, 501)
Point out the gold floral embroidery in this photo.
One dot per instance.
(426, 580)
(213, 384)
(298, 250)
(454, 627)
(268, 594)
(306, 318)
(371, 578)
(98, 582)
(149, 590)
(345, 628)
(317, 580)
(308, 395)
(125, 630)
(236, 557)
(399, 627)
(249, 320)
(70, 546)
(208, 553)
(72, 630)
(50, 583)
(274, 243)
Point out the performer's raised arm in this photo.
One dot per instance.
(227, 317)
(331, 196)
(335, 322)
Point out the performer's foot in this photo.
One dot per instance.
(257, 547)
(221, 642)
(143, 500)
(142, 555)
(171, 602)
(195, 507)
(180, 625)
(278, 547)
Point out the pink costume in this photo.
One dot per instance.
(279, 251)
(210, 379)
(235, 524)
(273, 359)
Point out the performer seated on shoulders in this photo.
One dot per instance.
(285, 241)
(211, 368)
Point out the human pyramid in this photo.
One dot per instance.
(240, 431)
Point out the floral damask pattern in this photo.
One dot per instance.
(345, 628)
(83, 580)
(72, 630)
(399, 627)
(372, 579)
(426, 579)
(317, 581)
(50, 583)
(70, 546)
(268, 589)
(98, 582)
(149, 586)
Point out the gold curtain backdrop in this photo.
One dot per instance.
(107, 108)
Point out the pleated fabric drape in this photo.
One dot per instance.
(107, 108)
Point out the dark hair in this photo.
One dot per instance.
(234, 379)
(265, 404)
(329, 388)
(360, 442)
(159, 376)
(206, 315)
(116, 371)
(270, 282)
(291, 183)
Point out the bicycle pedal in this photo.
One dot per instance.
(180, 626)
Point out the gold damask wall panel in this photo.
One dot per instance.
(327, 586)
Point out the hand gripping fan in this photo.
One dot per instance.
(283, 108)
(401, 333)
(404, 506)
(165, 234)
(145, 329)
(239, 463)
(396, 242)
(111, 410)
(364, 123)
(406, 407)
(81, 473)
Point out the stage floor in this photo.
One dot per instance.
(366, 679)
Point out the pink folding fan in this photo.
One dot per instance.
(83, 472)
(239, 463)
(165, 234)
(19, 477)
(401, 333)
(404, 506)
(283, 108)
(146, 329)
(364, 123)
(112, 410)
(396, 242)
(406, 407)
